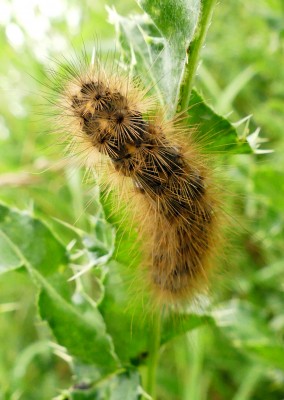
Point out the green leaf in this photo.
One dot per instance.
(159, 62)
(215, 132)
(182, 323)
(31, 240)
(160, 47)
(130, 320)
(124, 315)
(127, 246)
(9, 259)
(175, 19)
(82, 333)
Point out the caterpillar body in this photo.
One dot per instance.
(109, 118)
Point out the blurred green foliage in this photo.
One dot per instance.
(233, 349)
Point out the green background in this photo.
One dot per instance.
(240, 356)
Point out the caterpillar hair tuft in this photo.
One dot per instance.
(111, 120)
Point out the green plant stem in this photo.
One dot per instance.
(154, 346)
(193, 54)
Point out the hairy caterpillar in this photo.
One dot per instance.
(111, 120)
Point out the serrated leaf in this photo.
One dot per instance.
(82, 333)
(216, 133)
(176, 21)
(32, 241)
(157, 49)
(153, 53)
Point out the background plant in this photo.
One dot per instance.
(235, 349)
